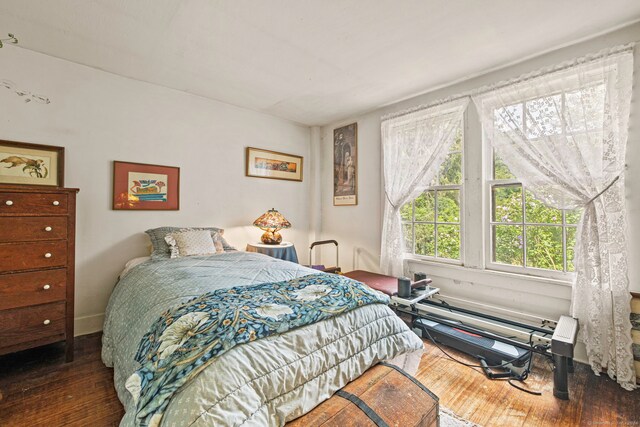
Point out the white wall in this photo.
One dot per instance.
(358, 228)
(100, 117)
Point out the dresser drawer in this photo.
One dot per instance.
(31, 256)
(37, 287)
(29, 228)
(31, 323)
(33, 203)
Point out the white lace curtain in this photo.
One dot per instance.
(563, 134)
(414, 146)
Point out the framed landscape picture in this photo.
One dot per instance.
(22, 163)
(345, 165)
(139, 186)
(272, 164)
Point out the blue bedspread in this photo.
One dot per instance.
(186, 338)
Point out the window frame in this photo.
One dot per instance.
(490, 264)
(490, 182)
(476, 215)
(459, 187)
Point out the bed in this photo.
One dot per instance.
(264, 382)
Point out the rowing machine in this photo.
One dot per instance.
(495, 341)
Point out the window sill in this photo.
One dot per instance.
(534, 273)
(434, 260)
(492, 278)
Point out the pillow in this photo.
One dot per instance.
(218, 241)
(161, 248)
(190, 242)
(132, 263)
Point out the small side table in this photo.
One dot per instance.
(285, 250)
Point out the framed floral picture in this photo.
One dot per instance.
(272, 164)
(23, 163)
(140, 186)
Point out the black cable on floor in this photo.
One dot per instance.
(534, 392)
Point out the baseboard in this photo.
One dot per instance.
(88, 324)
(580, 353)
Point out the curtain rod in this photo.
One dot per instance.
(523, 77)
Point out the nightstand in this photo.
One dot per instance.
(285, 250)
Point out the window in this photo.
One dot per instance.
(525, 233)
(550, 128)
(431, 223)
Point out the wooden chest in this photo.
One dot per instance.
(382, 396)
(37, 254)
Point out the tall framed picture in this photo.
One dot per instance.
(22, 163)
(345, 165)
(139, 186)
(272, 164)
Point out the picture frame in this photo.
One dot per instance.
(23, 163)
(345, 165)
(142, 186)
(262, 163)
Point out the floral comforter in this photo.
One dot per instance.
(265, 381)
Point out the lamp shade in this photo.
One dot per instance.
(271, 221)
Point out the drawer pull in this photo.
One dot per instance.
(47, 255)
(48, 229)
(46, 322)
(9, 202)
(56, 203)
(46, 287)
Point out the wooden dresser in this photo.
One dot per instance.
(37, 266)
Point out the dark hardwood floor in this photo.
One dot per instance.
(38, 389)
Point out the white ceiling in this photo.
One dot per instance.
(310, 61)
